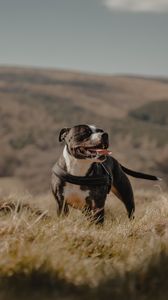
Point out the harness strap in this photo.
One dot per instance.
(81, 180)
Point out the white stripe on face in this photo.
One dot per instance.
(95, 135)
(93, 128)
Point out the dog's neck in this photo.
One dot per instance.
(77, 167)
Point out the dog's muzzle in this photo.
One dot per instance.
(92, 151)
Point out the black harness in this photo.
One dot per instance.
(84, 180)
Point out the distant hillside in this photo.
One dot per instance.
(154, 112)
(35, 104)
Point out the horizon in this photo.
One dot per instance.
(86, 73)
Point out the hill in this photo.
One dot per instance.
(35, 104)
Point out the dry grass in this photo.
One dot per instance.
(70, 257)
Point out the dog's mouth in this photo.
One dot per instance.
(98, 151)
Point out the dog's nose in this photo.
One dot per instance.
(105, 138)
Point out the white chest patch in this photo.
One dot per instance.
(74, 196)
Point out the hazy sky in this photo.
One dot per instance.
(100, 36)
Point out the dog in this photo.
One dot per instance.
(86, 173)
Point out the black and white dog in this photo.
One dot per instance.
(86, 173)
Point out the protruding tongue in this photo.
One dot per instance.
(103, 151)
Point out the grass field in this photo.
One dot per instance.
(46, 257)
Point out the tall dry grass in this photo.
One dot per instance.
(69, 254)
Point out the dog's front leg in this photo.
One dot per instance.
(94, 214)
(57, 190)
(62, 206)
(98, 215)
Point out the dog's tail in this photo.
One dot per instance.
(139, 174)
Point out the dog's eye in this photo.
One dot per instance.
(88, 133)
(84, 135)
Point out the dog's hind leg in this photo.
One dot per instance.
(123, 190)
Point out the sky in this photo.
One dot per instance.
(98, 36)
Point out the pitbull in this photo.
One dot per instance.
(86, 172)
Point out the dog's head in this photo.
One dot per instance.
(85, 141)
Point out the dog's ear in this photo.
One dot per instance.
(63, 134)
